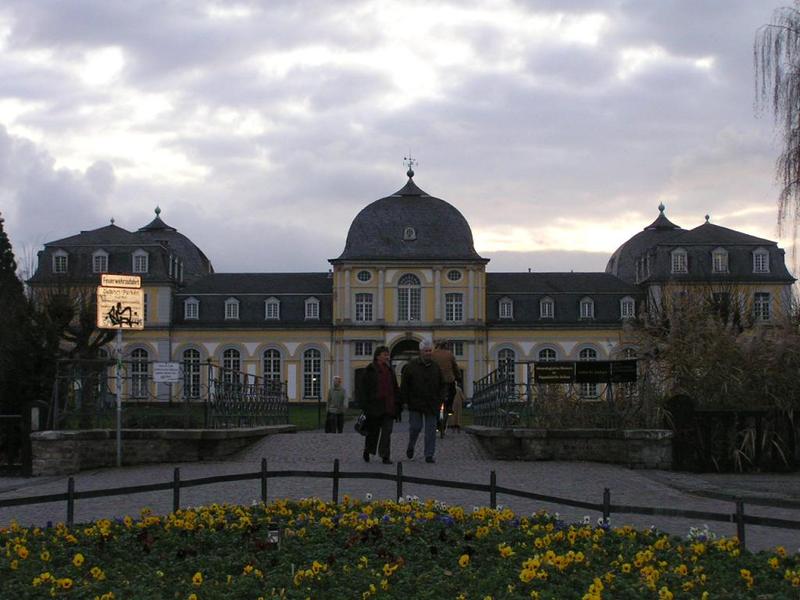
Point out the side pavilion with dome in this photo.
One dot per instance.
(409, 271)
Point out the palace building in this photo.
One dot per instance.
(409, 271)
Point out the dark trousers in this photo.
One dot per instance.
(379, 435)
(451, 394)
(334, 423)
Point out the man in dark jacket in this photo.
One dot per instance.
(422, 390)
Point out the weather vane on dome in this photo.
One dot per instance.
(410, 162)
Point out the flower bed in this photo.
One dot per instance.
(405, 549)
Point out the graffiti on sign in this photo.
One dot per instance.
(120, 308)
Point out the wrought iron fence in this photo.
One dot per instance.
(238, 399)
(500, 399)
(206, 395)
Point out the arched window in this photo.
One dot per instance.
(139, 373)
(312, 308)
(760, 260)
(191, 373)
(719, 260)
(506, 358)
(679, 261)
(627, 308)
(191, 308)
(231, 309)
(588, 390)
(272, 365)
(547, 355)
(312, 373)
(231, 366)
(408, 298)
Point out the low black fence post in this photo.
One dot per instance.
(606, 505)
(70, 501)
(740, 522)
(176, 490)
(399, 489)
(264, 480)
(336, 481)
(493, 489)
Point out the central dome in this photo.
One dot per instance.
(409, 225)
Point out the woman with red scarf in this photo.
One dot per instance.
(380, 397)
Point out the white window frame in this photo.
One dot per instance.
(364, 307)
(588, 390)
(272, 309)
(231, 309)
(231, 365)
(60, 261)
(547, 308)
(140, 262)
(191, 373)
(191, 309)
(760, 260)
(627, 308)
(586, 308)
(271, 362)
(454, 307)
(363, 276)
(679, 261)
(100, 261)
(409, 298)
(458, 349)
(507, 357)
(454, 275)
(139, 373)
(541, 358)
(363, 348)
(312, 309)
(719, 261)
(762, 306)
(312, 373)
(505, 308)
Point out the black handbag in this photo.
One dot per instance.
(361, 424)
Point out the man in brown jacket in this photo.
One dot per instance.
(450, 371)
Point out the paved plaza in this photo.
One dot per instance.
(459, 457)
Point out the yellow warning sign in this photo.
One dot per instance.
(120, 308)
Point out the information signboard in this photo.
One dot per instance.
(166, 372)
(554, 372)
(592, 371)
(623, 371)
(120, 308)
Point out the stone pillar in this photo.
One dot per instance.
(469, 376)
(381, 308)
(347, 371)
(437, 294)
(348, 313)
(471, 294)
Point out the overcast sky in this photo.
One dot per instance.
(262, 128)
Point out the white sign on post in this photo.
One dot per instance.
(166, 372)
(120, 308)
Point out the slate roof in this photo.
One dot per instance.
(442, 232)
(252, 290)
(566, 290)
(157, 238)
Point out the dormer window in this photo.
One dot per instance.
(231, 308)
(627, 308)
(272, 309)
(191, 309)
(60, 261)
(587, 308)
(719, 260)
(546, 308)
(141, 262)
(761, 261)
(100, 262)
(409, 234)
(506, 308)
(680, 263)
(312, 308)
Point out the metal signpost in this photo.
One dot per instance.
(120, 305)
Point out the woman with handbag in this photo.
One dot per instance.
(379, 400)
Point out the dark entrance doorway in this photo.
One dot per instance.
(403, 352)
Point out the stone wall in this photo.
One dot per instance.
(63, 452)
(635, 448)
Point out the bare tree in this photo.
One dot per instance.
(776, 57)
